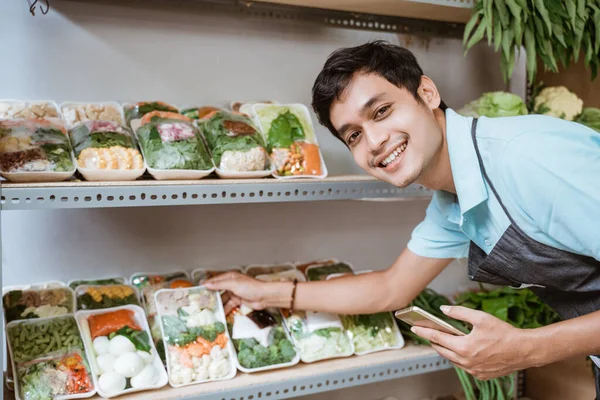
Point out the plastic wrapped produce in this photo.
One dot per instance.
(291, 140)
(135, 112)
(200, 112)
(236, 145)
(48, 359)
(197, 345)
(122, 355)
(40, 303)
(74, 112)
(170, 142)
(34, 150)
(16, 109)
(94, 297)
(98, 282)
(255, 270)
(106, 151)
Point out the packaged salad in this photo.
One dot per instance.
(172, 147)
(291, 140)
(35, 151)
(237, 148)
(260, 340)
(105, 281)
(317, 336)
(76, 112)
(106, 151)
(33, 286)
(96, 297)
(195, 337)
(40, 303)
(122, 355)
(147, 285)
(48, 359)
(371, 332)
(17, 109)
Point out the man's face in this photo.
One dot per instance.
(392, 136)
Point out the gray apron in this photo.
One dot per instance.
(567, 282)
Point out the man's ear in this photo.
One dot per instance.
(429, 93)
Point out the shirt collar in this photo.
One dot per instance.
(468, 178)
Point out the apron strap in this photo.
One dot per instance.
(485, 175)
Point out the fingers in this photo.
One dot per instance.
(223, 284)
(474, 317)
(222, 277)
(233, 302)
(439, 337)
(449, 355)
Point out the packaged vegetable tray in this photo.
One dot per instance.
(260, 340)
(35, 151)
(135, 112)
(106, 151)
(371, 333)
(97, 297)
(316, 336)
(320, 272)
(37, 303)
(200, 112)
(172, 147)
(237, 148)
(291, 140)
(33, 286)
(198, 347)
(48, 359)
(37, 109)
(117, 280)
(74, 113)
(122, 355)
(255, 270)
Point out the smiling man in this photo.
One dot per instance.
(519, 196)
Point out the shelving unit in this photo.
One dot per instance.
(218, 191)
(305, 379)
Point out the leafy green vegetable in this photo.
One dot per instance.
(219, 139)
(177, 332)
(252, 355)
(371, 332)
(321, 273)
(60, 156)
(189, 153)
(284, 131)
(138, 111)
(495, 104)
(86, 302)
(590, 117)
(140, 339)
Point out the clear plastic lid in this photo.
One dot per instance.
(149, 283)
(102, 281)
(96, 297)
(77, 112)
(34, 109)
(198, 347)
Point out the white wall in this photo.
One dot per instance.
(90, 51)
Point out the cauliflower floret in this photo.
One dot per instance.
(205, 317)
(558, 101)
(202, 373)
(218, 369)
(182, 376)
(205, 361)
(216, 353)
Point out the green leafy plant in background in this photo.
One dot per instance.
(521, 308)
(551, 30)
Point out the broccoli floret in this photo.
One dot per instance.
(287, 350)
(243, 344)
(219, 327)
(247, 358)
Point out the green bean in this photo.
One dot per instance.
(44, 329)
(22, 335)
(50, 346)
(58, 340)
(64, 329)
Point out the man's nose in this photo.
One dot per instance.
(376, 138)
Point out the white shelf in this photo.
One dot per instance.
(35, 196)
(305, 379)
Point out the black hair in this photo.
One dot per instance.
(396, 64)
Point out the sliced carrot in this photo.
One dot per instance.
(180, 283)
(163, 114)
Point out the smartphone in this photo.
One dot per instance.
(416, 316)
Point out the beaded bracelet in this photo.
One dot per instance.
(293, 295)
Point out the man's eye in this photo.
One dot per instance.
(382, 111)
(353, 136)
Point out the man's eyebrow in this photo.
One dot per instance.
(368, 104)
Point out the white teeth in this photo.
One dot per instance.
(395, 154)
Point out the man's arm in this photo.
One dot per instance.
(379, 291)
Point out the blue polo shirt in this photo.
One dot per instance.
(545, 170)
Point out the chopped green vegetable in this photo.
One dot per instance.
(495, 104)
(371, 332)
(111, 281)
(252, 355)
(590, 117)
(178, 333)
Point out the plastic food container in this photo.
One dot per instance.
(198, 347)
(290, 139)
(34, 286)
(199, 112)
(37, 303)
(75, 112)
(135, 112)
(103, 281)
(371, 333)
(97, 297)
(245, 107)
(237, 147)
(39, 349)
(35, 109)
(200, 275)
(260, 340)
(35, 151)
(116, 363)
(320, 272)
(255, 270)
(316, 336)
(106, 151)
(172, 147)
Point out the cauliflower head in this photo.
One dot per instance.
(558, 101)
